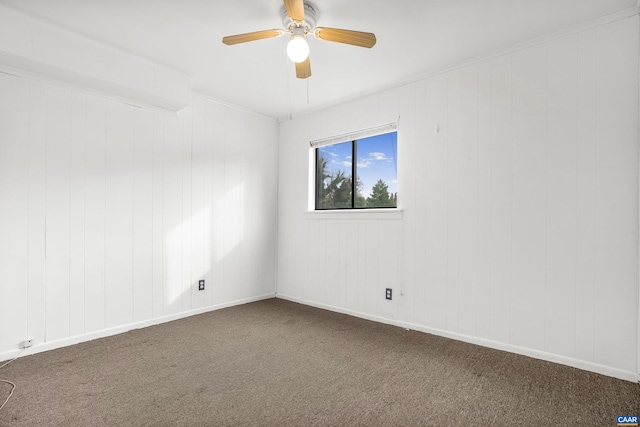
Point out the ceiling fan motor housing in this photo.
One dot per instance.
(310, 16)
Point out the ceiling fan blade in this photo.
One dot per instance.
(249, 37)
(355, 38)
(303, 69)
(295, 9)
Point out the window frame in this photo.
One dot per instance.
(351, 138)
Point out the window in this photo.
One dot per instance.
(374, 169)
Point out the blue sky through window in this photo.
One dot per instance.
(376, 160)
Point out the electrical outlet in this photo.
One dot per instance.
(201, 285)
(26, 343)
(389, 294)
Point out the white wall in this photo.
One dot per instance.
(519, 227)
(110, 213)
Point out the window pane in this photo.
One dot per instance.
(377, 171)
(333, 176)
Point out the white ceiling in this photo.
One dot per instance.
(415, 37)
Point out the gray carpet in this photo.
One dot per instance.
(277, 363)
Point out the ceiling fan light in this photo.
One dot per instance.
(298, 48)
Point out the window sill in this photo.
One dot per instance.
(390, 214)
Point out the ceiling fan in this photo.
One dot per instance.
(299, 19)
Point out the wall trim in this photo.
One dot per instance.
(138, 79)
(38, 348)
(230, 105)
(541, 355)
(50, 22)
(49, 80)
(355, 214)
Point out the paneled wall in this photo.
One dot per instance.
(519, 225)
(110, 213)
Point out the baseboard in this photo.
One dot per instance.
(51, 345)
(549, 357)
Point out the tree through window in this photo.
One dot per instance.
(374, 169)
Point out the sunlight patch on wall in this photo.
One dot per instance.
(173, 268)
(229, 231)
